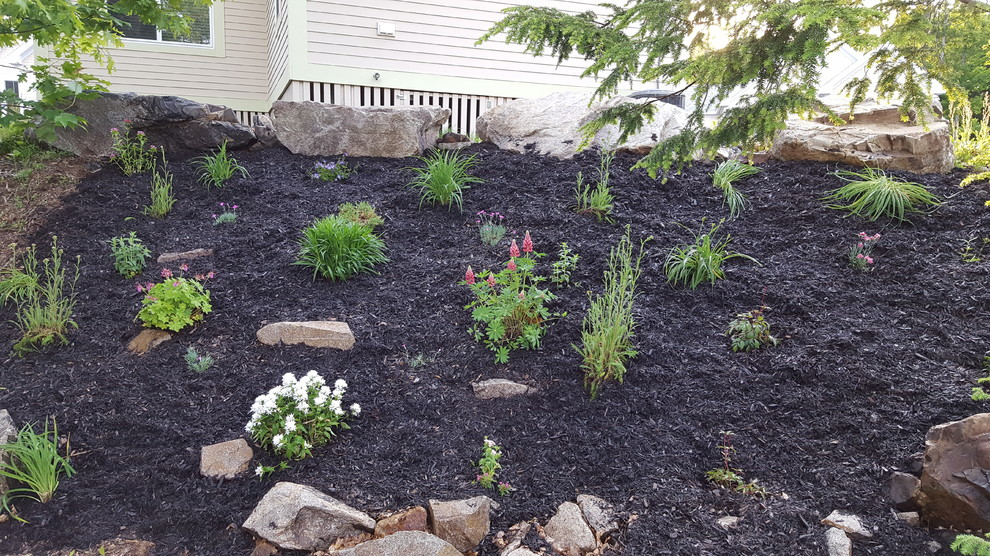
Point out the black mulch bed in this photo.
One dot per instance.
(869, 362)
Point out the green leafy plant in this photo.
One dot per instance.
(337, 248)
(971, 545)
(872, 194)
(418, 360)
(162, 198)
(129, 254)
(750, 330)
(509, 308)
(337, 170)
(608, 327)
(362, 213)
(970, 143)
(566, 263)
(723, 177)
(861, 252)
(197, 363)
(227, 215)
(729, 477)
(979, 392)
(15, 284)
(491, 227)
(299, 415)
(45, 299)
(34, 462)
(176, 302)
(596, 199)
(444, 178)
(131, 153)
(701, 261)
(218, 167)
(488, 467)
(972, 249)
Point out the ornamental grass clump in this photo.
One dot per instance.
(873, 194)
(607, 329)
(509, 309)
(176, 302)
(337, 248)
(444, 178)
(701, 261)
(162, 198)
(299, 415)
(723, 177)
(34, 462)
(216, 168)
(596, 199)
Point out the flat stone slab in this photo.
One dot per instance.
(225, 460)
(147, 340)
(318, 333)
(413, 519)
(849, 523)
(184, 256)
(499, 388)
(402, 543)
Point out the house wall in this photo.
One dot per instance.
(278, 48)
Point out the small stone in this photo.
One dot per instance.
(599, 514)
(569, 531)
(904, 489)
(8, 434)
(184, 256)
(911, 518)
(147, 340)
(402, 543)
(323, 334)
(113, 547)
(413, 519)
(838, 543)
(264, 548)
(849, 523)
(225, 460)
(521, 551)
(499, 388)
(728, 521)
(462, 523)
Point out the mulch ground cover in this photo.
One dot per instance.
(868, 362)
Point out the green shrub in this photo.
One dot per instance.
(971, 144)
(444, 178)
(723, 177)
(129, 255)
(607, 329)
(872, 194)
(701, 261)
(971, 545)
(362, 213)
(35, 463)
(750, 331)
(174, 303)
(337, 248)
(215, 169)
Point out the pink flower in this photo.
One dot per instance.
(522, 295)
(140, 288)
(511, 265)
(184, 268)
(514, 249)
(469, 276)
(127, 121)
(527, 243)
(859, 255)
(210, 274)
(214, 216)
(860, 245)
(166, 273)
(234, 207)
(491, 280)
(141, 133)
(114, 130)
(869, 260)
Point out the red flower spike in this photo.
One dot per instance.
(511, 265)
(514, 249)
(527, 243)
(491, 280)
(469, 276)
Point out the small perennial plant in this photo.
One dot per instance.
(337, 170)
(488, 466)
(131, 153)
(860, 254)
(129, 255)
(491, 226)
(176, 302)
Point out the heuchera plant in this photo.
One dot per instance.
(509, 309)
(176, 302)
(293, 418)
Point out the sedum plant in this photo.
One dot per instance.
(701, 261)
(299, 415)
(337, 248)
(35, 463)
(129, 254)
(176, 302)
(723, 177)
(873, 194)
(218, 167)
(363, 213)
(444, 178)
(509, 308)
(607, 329)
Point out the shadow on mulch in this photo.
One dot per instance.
(868, 362)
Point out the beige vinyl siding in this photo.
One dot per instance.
(234, 69)
(432, 38)
(278, 48)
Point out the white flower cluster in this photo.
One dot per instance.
(304, 395)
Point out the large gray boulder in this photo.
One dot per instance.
(402, 543)
(955, 482)
(176, 123)
(551, 125)
(297, 517)
(873, 135)
(315, 128)
(462, 523)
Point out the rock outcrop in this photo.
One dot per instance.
(955, 482)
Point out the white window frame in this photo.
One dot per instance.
(159, 41)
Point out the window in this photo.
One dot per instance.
(12, 86)
(200, 26)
